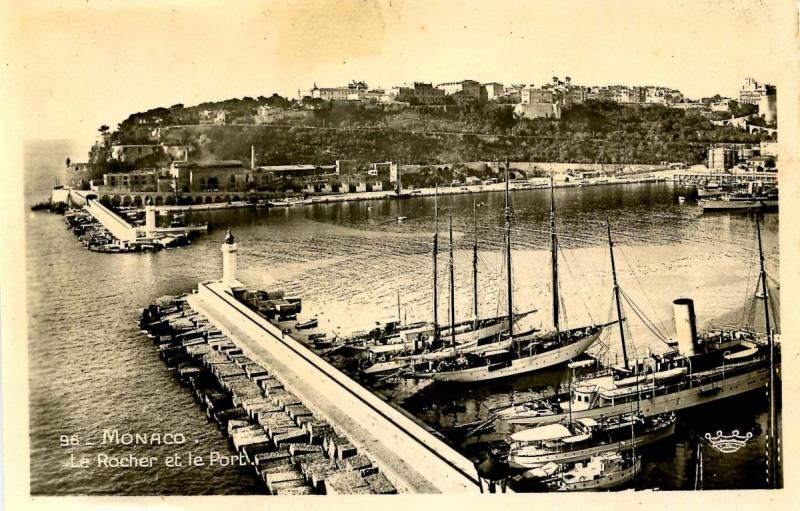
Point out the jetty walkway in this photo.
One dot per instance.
(412, 458)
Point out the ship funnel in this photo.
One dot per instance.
(685, 327)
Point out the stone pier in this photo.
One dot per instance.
(412, 459)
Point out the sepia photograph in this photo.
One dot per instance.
(370, 247)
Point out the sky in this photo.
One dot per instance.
(77, 65)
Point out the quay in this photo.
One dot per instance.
(74, 198)
(411, 458)
(694, 177)
(290, 450)
(121, 232)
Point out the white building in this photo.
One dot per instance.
(493, 90)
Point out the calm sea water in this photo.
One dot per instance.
(92, 370)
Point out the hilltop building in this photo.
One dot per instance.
(752, 92)
(532, 95)
(493, 90)
(536, 103)
(469, 88)
(217, 117)
(762, 95)
(335, 93)
(419, 92)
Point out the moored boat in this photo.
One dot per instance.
(714, 365)
(755, 198)
(311, 323)
(526, 353)
(585, 437)
(601, 472)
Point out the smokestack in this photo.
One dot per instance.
(685, 326)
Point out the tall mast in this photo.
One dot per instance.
(399, 179)
(452, 288)
(508, 259)
(399, 316)
(554, 258)
(435, 254)
(474, 264)
(771, 454)
(616, 298)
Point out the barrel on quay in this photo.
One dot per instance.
(304, 426)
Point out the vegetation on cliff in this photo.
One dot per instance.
(319, 132)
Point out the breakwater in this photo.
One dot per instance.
(289, 448)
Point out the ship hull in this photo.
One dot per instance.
(686, 398)
(385, 367)
(471, 337)
(523, 461)
(520, 365)
(606, 481)
(723, 205)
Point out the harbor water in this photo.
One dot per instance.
(92, 370)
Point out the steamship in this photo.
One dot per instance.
(754, 197)
(697, 369)
(712, 366)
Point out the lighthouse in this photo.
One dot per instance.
(149, 218)
(229, 249)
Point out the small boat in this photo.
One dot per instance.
(658, 376)
(601, 472)
(311, 323)
(325, 342)
(750, 350)
(580, 364)
(585, 437)
(754, 199)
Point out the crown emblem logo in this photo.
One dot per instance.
(728, 443)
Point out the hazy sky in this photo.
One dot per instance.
(81, 64)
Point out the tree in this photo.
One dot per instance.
(103, 129)
(67, 162)
(741, 109)
(502, 118)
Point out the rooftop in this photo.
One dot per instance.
(208, 164)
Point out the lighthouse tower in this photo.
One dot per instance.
(229, 249)
(149, 218)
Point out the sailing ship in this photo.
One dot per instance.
(397, 351)
(704, 368)
(520, 353)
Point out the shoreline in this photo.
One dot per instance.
(409, 194)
